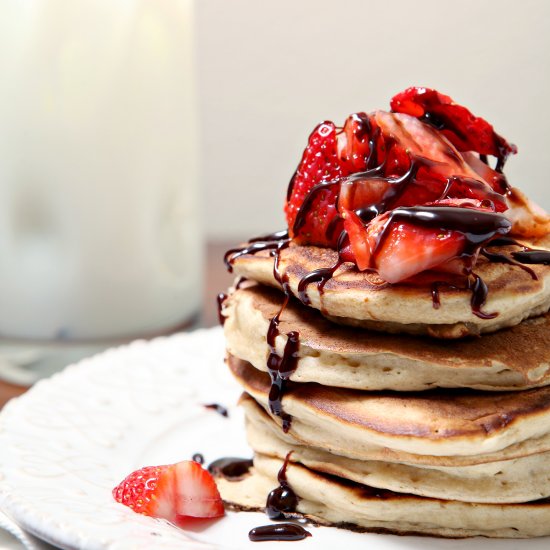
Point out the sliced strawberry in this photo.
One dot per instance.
(353, 143)
(464, 130)
(404, 242)
(171, 492)
(359, 241)
(409, 249)
(495, 179)
(330, 155)
(439, 170)
(320, 163)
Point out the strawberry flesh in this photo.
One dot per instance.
(428, 151)
(463, 129)
(171, 492)
(319, 164)
(402, 243)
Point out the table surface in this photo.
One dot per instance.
(216, 280)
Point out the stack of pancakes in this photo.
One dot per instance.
(405, 417)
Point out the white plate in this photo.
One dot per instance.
(67, 442)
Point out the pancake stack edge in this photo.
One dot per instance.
(386, 432)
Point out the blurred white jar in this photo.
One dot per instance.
(99, 222)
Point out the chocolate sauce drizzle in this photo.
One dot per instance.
(230, 467)
(220, 409)
(280, 367)
(541, 257)
(278, 532)
(282, 500)
(258, 244)
(476, 226)
(323, 275)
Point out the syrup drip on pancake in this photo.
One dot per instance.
(282, 500)
(475, 225)
(323, 275)
(475, 285)
(280, 367)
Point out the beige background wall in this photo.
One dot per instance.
(270, 70)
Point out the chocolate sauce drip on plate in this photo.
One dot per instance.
(278, 532)
(230, 467)
(282, 500)
(198, 457)
(220, 409)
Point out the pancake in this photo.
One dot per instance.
(357, 358)
(362, 299)
(435, 422)
(517, 480)
(335, 501)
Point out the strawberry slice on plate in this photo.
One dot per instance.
(172, 492)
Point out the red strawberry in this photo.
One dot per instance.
(397, 246)
(319, 164)
(171, 492)
(329, 156)
(353, 143)
(440, 170)
(464, 130)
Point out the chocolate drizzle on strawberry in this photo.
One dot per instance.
(372, 167)
(476, 226)
(464, 130)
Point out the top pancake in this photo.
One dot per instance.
(358, 298)
(332, 355)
